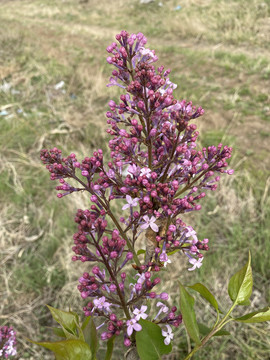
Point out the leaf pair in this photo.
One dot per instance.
(80, 342)
(239, 290)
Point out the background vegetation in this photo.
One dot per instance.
(218, 51)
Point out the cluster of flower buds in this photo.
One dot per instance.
(61, 168)
(157, 174)
(7, 342)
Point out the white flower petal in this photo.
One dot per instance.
(167, 341)
(127, 206)
(164, 333)
(169, 329)
(129, 199)
(154, 227)
(129, 330)
(137, 327)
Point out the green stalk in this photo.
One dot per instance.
(215, 329)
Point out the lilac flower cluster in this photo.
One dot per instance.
(7, 342)
(157, 174)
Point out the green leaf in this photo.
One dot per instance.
(240, 284)
(58, 332)
(201, 289)
(85, 322)
(81, 335)
(141, 251)
(173, 252)
(90, 335)
(186, 307)
(256, 316)
(68, 320)
(185, 245)
(150, 342)
(205, 330)
(222, 333)
(69, 335)
(68, 349)
(246, 303)
(110, 345)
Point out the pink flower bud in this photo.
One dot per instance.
(127, 342)
(129, 256)
(94, 198)
(147, 275)
(172, 228)
(153, 132)
(114, 255)
(104, 336)
(84, 295)
(164, 296)
(112, 288)
(140, 104)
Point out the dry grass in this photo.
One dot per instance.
(219, 54)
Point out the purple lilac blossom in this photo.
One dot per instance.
(7, 342)
(154, 165)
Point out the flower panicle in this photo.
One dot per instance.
(157, 173)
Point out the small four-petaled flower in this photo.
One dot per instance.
(134, 169)
(163, 309)
(143, 51)
(168, 335)
(140, 313)
(101, 303)
(191, 233)
(149, 222)
(130, 202)
(195, 263)
(133, 325)
(145, 171)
